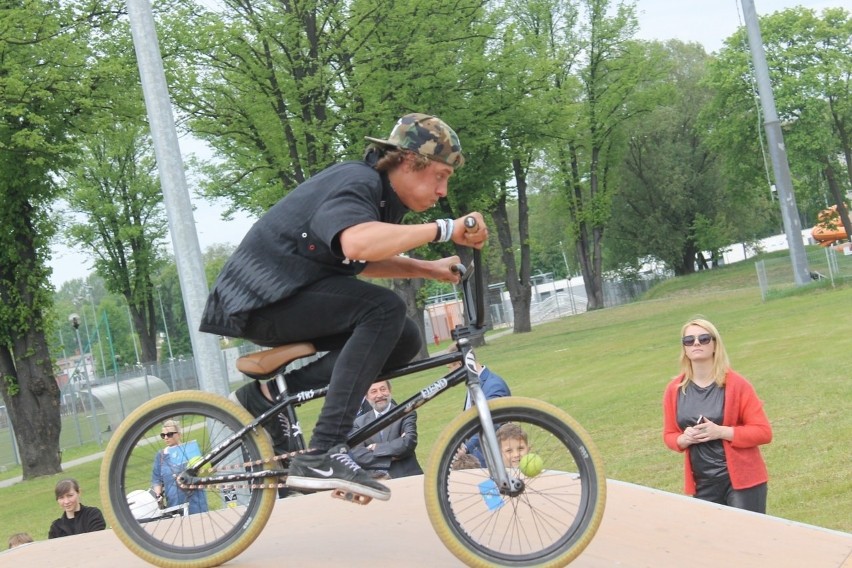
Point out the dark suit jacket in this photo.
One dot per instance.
(394, 451)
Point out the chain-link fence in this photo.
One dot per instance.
(549, 303)
(90, 409)
(827, 266)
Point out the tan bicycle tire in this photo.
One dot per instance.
(113, 494)
(555, 424)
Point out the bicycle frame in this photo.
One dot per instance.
(474, 312)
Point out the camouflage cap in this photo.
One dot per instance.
(426, 135)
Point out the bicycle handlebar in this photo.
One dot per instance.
(474, 298)
(479, 295)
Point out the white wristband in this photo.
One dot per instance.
(446, 226)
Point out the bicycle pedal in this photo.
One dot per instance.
(351, 497)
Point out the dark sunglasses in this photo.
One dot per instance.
(689, 340)
(165, 435)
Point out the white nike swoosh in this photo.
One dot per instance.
(322, 472)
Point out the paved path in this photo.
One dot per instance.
(641, 528)
(65, 466)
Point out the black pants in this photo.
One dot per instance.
(363, 326)
(721, 492)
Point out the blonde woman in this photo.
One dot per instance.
(713, 415)
(168, 463)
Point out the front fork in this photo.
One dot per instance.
(506, 484)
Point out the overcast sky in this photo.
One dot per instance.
(707, 22)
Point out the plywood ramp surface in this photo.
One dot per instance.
(641, 528)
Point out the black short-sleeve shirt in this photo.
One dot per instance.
(296, 243)
(707, 458)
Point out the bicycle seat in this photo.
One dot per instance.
(263, 364)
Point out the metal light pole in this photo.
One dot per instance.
(74, 319)
(114, 358)
(91, 295)
(193, 283)
(165, 325)
(777, 151)
(62, 343)
(133, 334)
(88, 341)
(568, 279)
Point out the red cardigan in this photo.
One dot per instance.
(743, 411)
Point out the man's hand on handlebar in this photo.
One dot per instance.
(446, 269)
(467, 236)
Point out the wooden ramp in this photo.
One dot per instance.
(641, 528)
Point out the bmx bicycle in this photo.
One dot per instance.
(541, 512)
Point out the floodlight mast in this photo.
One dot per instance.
(777, 150)
(190, 266)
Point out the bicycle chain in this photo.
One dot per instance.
(235, 467)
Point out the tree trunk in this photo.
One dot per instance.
(144, 323)
(520, 290)
(27, 381)
(409, 290)
(688, 257)
(31, 396)
(587, 238)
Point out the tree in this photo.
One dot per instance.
(114, 192)
(589, 140)
(813, 58)
(809, 60)
(671, 198)
(44, 93)
(285, 93)
(257, 83)
(531, 60)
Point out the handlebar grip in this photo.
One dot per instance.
(458, 269)
(469, 223)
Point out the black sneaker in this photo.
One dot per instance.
(334, 470)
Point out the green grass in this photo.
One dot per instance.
(608, 369)
(75, 429)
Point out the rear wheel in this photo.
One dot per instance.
(207, 526)
(549, 522)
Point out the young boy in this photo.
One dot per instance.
(513, 444)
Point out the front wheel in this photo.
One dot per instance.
(195, 527)
(550, 521)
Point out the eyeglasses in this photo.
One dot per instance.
(165, 435)
(703, 339)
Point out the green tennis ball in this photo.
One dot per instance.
(531, 465)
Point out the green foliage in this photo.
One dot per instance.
(36, 93)
(281, 94)
(808, 57)
(10, 385)
(113, 198)
(673, 202)
(606, 91)
(46, 99)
